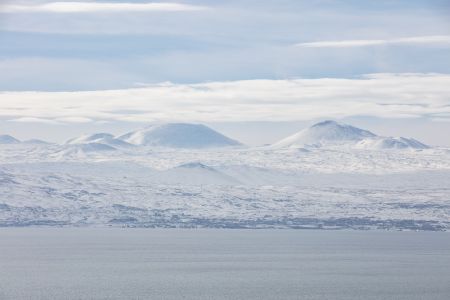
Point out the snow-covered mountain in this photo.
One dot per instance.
(347, 179)
(90, 138)
(246, 188)
(178, 135)
(324, 133)
(35, 142)
(7, 139)
(195, 173)
(381, 143)
(99, 138)
(332, 133)
(82, 150)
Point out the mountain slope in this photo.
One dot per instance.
(178, 135)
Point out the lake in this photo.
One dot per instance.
(116, 263)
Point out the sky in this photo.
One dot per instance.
(255, 70)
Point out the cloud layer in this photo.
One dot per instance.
(94, 7)
(379, 95)
(433, 39)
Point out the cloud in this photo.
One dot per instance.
(94, 7)
(386, 95)
(34, 120)
(432, 39)
(56, 121)
(76, 119)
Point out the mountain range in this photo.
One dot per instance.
(327, 176)
(197, 136)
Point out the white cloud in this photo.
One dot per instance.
(76, 119)
(34, 120)
(432, 39)
(379, 95)
(92, 7)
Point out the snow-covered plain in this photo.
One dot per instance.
(330, 175)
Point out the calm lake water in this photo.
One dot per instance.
(63, 263)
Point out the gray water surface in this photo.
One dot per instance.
(70, 263)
